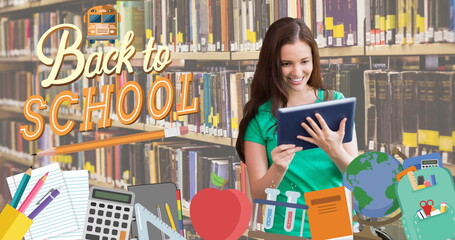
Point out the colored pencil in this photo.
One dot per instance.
(33, 193)
(169, 214)
(132, 138)
(20, 190)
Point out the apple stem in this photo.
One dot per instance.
(224, 183)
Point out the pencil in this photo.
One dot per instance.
(158, 209)
(21, 188)
(132, 138)
(33, 193)
(169, 214)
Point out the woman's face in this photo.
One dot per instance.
(296, 65)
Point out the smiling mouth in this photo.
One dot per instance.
(296, 79)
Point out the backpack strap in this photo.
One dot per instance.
(329, 95)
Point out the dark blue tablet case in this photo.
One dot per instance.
(290, 118)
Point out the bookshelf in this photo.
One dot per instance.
(16, 158)
(415, 49)
(219, 56)
(15, 111)
(357, 51)
(33, 6)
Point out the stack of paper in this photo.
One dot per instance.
(64, 217)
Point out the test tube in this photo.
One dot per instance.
(290, 212)
(272, 193)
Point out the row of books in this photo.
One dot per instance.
(408, 22)
(19, 36)
(7, 169)
(10, 3)
(222, 95)
(240, 25)
(191, 166)
(413, 110)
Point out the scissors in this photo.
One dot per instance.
(427, 206)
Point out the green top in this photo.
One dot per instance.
(310, 170)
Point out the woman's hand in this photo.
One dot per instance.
(324, 137)
(282, 155)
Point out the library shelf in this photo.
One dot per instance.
(31, 5)
(12, 157)
(201, 55)
(11, 109)
(18, 59)
(342, 51)
(135, 126)
(198, 137)
(413, 49)
(246, 55)
(323, 52)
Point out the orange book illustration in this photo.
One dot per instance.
(328, 209)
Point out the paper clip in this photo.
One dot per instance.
(45, 195)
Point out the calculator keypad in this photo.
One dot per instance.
(429, 165)
(103, 217)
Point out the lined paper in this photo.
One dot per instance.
(77, 185)
(58, 217)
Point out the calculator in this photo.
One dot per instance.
(429, 163)
(109, 214)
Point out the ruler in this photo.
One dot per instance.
(143, 216)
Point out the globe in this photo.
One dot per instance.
(371, 177)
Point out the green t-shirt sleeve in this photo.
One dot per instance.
(253, 132)
(338, 95)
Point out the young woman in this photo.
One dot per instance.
(288, 74)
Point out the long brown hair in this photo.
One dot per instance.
(268, 81)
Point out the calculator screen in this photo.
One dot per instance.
(112, 196)
(426, 162)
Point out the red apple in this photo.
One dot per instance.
(219, 214)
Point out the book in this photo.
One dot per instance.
(410, 112)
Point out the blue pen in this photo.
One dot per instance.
(44, 204)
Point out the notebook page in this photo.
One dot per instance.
(78, 188)
(58, 217)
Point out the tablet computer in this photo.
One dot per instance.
(290, 118)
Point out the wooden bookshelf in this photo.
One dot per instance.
(323, 52)
(248, 55)
(6, 157)
(226, 56)
(415, 49)
(136, 126)
(32, 5)
(11, 109)
(178, 57)
(342, 51)
(18, 59)
(198, 136)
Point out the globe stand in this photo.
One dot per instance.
(366, 233)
